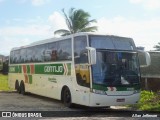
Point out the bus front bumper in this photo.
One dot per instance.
(98, 100)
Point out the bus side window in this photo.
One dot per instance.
(64, 50)
(23, 55)
(11, 57)
(54, 55)
(29, 55)
(17, 56)
(52, 47)
(60, 50)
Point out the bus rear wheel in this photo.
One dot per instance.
(22, 88)
(17, 88)
(67, 99)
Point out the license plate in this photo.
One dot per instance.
(121, 100)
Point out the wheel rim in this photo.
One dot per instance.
(22, 89)
(17, 86)
(67, 97)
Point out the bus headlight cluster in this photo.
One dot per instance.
(136, 91)
(99, 92)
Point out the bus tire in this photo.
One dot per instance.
(22, 88)
(17, 88)
(67, 99)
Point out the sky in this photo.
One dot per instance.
(25, 21)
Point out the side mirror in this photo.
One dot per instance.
(92, 55)
(144, 58)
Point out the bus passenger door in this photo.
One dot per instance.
(83, 83)
(82, 75)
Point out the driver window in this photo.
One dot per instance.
(81, 61)
(80, 52)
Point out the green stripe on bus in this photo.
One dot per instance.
(28, 69)
(20, 69)
(15, 69)
(54, 69)
(30, 79)
(69, 68)
(99, 87)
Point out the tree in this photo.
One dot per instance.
(77, 21)
(157, 47)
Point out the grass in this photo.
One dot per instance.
(4, 83)
(149, 101)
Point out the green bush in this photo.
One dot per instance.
(149, 101)
(4, 83)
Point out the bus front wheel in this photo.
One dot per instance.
(67, 99)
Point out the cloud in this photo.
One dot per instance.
(21, 32)
(11, 42)
(33, 2)
(17, 36)
(28, 30)
(36, 26)
(144, 32)
(147, 4)
(20, 35)
(39, 2)
(136, 1)
(57, 21)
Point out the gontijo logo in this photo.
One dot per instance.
(57, 69)
(53, 69)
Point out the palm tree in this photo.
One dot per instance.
(77, 21)
(157, 47)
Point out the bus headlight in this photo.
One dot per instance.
(136, 91)
(99, 92)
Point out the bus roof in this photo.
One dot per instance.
(54, 39)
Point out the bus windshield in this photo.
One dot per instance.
(116, 68)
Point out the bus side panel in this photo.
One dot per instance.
(80, 94)
(12, 77)
(11, 80)
(44, 85)
(51, 85)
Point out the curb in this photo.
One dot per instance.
(1, 91)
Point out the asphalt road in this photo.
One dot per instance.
(12, 101)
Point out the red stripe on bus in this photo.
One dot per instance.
(26, 78)
(32, 69)
(24, 69)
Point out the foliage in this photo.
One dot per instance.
(149, 101)
(157, 47)
(77, 21)
(4, 83)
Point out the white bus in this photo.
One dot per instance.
(84, 68)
